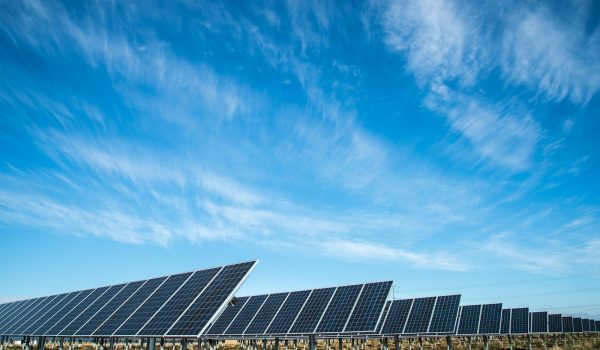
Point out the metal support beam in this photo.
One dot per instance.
(312, 342)
(486, 343)
(420, 343)
(396, 342)
(449, 342)
(510, 342)
(183, 344)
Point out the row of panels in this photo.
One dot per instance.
(422, 316)
(345, 309)
(175, 305)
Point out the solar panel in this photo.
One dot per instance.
(555, 323)
(597, 326)
(311, 313)
(368, 307)
(539, 322)
(386, 309)
(139, 318)
(420, 314)
(567, 324)
(339, 309)
(35, 318)
(397, 316)
(62, 312)
(107, 309)
(25, 310)
(444, 315)
(577, 325)
(12, 313)
(491, 315)
(262, 319)
(290, 309)
(75, 311)
(519, 321)
(246, 315)
(585, 325)
(505, 328)
(469, 319)
(201, 312)
(230, 313)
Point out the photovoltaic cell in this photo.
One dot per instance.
(567, 324)
(369, 307)
(227, 317)
(246, 315)
(103, 297)
(597, 326)
(505, 329)
(420, 315)
(164, 319)
(139, 318)
(444, 315)
(311, 313)
(577, 325)
(469, 320)
(76, 299)
(386, 309)
(269, 309)
(36, 317)
(585, 325)
(286, 316)
(28, 309)
(339, 309)
(555, 323)
(15, 310)
(519, 323)
(539, 322)
(397, 316)
(75, 311)
(213, 298)
(491, 315)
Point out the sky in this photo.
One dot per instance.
(449, 146)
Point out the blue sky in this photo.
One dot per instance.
(452, 147)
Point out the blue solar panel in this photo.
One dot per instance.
(288, 313)
(267, 312)
(27, 309)
(397, 316)
(368, 308)
(13, 313)
(386, 309)
(164, 319)
(339, 309)
(469, 320)
(420, 315)
(246, 315)
(491, 315)
(228, 316)
(444, 315)
(539, 322)
(519, 321)
(505, 329)
(128, 307)
(555, 323)
(311, 313)
(58, 315)
(108, 308)
(214, 298)
(34, 317)
(586, 325)
(89, 297)
(95, 306)
(577, 326)
(139, 318)
(567, 324)
(597, 323)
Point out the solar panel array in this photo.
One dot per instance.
(348, 309)
(176, 305)
(480, 319)
(515, 321)
(431, 315)
(539, 322)
(555, 323)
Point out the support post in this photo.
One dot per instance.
(486, 343)
(183, 344)
(151, 344)
(286, 344)
(449, 342)
(510, 342)
(312, 342)
(396, 342)
(264, 344)
(340, 344)
(276, 345)
(385, 344)
(420, 343)
(529, 342)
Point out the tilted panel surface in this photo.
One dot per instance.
(469, 319)
(227, 317)
(164, 319)
(505, 329)
(283, 321)
(519, 323)
(138, 319)
(27, 311)
(397, 316)
(339, 309)
(107, 309)
(102, 296)
(246, 315)
(586, 324)
(37, 316)
(386, 309)
(597, 326)
(577, 326)
(444, 314)
(128, 307)
(75, 311)
(555, 323)
(368, 309)
(420, 315)
(491, 315)
(12, 313)
(267, 313)
(539, 322)
(567, 324)
(213, 298)
(59, 315)
(312, 311)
